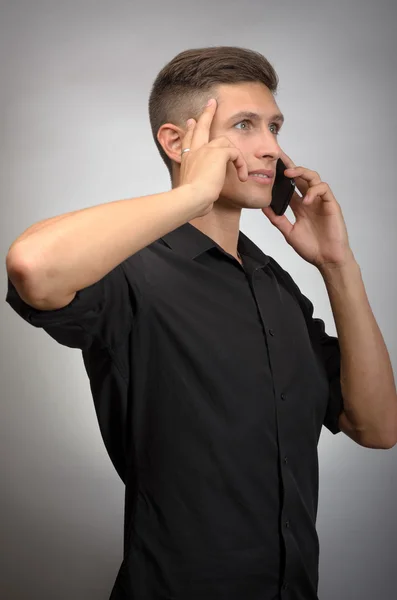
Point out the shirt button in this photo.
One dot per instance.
(285, 586)
(283, 397)
(271, 331)
(287, 524)
(285, 459)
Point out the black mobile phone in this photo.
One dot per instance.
(282, 191)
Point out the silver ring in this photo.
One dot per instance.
(185, 150)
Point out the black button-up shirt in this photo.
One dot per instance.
(211, 383)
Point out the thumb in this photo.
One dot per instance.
(280, 222)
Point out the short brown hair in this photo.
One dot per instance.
(188, 80)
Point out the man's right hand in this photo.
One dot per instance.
(204, 167)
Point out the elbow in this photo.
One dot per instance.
(392, 434)
(389, 439)
(389, 445)
(21, 278)
(390, 442)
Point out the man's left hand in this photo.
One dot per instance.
(319, 234)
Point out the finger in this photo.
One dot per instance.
(296, 204)
(239, 162)
(286, 160)
(322, 190)
(201, 133)
(187, 139)
(304, 178)
(282, 222)
(233, 154)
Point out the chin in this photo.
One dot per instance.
(255, 202)
(258, 200)
(241, 196)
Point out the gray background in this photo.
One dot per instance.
(74, 131)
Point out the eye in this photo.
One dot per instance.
(245, 121)
(277, 128)
(276, 132)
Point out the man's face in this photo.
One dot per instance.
(256, 138)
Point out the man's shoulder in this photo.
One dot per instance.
(148, 257)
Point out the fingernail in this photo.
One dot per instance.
(210, 101)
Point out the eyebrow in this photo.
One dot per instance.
(279, 117)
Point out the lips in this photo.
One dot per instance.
(267, 172)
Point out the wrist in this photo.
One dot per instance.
(193, 198)
(337, 274)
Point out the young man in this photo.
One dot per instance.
(211, 378)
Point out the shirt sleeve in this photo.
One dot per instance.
(329, 349)
(101, 312)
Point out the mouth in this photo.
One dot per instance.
(262, 176)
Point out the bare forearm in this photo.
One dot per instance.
(68, 253)
(367, 379)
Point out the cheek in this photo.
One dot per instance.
(242, 142)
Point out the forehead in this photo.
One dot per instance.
(248, 96)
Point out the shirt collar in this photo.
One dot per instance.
(191, 242)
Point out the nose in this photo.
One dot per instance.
(268, 147)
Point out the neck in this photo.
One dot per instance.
(222, 225)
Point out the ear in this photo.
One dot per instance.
(170, 137)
